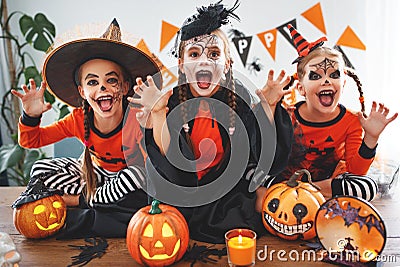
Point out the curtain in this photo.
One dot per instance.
(383, 72)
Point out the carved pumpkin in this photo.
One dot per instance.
(157, 235)
(289, 208)
(40, 218)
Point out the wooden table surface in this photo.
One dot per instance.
(52, 252)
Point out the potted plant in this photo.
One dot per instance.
(38, 33)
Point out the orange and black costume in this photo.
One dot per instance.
(118, 163)
(318, 147)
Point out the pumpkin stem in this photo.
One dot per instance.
(299, 173)
(154, 207)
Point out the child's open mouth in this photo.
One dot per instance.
(105, 103)
(203, 79)
(326, 97)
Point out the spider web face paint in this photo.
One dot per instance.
(203, 63)
(202, 42)
(325, 65)
(118, 93)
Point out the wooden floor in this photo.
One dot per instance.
(51, 252)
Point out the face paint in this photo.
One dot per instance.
(204, 63)
(325, 65)
(102, 87)
(322, 86)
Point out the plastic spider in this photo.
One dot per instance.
(255, 66)
(203, 253)
(233, 33)
(95, 249)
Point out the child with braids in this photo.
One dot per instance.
(336, 145)
(94, 77)
(211, 124)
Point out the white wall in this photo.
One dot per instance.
(375, 22)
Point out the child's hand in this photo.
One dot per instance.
(272, 92)
(375, 123)
(151, 99)
(33, 101)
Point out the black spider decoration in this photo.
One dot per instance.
(255, 66)
(233, 33)
(203, 253)
(96, 249)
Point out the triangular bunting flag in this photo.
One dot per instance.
(142, 46)
(314, 15)
(168, 32)
(268, 39)
(350, 39)
(283, 29)
(242, 45)
(347, 61)
(168, 77)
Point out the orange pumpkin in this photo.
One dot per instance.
(157, 235)
(289, 208)
(40, 218)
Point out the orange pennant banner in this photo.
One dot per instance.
(142, 46)
(314, 15)
(168, 31)
(168, 77)
(268, 39)
(350, 39)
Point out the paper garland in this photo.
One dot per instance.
(269, 37)
(168, 31)
(168, 77)
(314, 15)
(350, 39)
(242, 45)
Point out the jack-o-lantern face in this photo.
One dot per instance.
(40, 218)
(289, 208)
(157, 235)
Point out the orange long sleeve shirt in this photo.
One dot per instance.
(112, 151)
(319, 147)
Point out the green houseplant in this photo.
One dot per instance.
(38, 33)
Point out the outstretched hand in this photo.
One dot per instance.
(152, 100)
(33, 100)
(273, 91)
(375, 123)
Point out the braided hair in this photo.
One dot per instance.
(229, 83)
(354, 76)
(88, 174)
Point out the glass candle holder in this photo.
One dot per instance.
(241, 247)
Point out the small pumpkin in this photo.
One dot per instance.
(157, 235)
(40, 218)
(289, 208)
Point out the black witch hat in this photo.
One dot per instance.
(35, 190)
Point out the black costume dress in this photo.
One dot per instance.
(209, 222)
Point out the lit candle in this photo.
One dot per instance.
(241, 245)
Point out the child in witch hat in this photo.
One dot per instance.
(93, 76)
(210, 129)
(335, 144)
